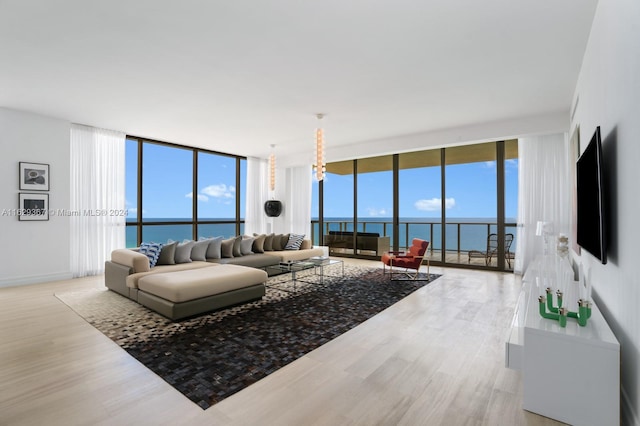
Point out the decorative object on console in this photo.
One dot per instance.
(320, 166)
(544, 230)
(273, 208)
(557, 269)
(562, 247)
(33, 176)
(561, 313)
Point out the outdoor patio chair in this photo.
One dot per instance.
(492, 249)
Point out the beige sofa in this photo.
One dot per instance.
(209, 285)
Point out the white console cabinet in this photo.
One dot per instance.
(570, 374)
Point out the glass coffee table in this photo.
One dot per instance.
(294, 268)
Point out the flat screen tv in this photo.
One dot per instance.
(591, 228)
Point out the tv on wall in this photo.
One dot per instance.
(592, 235)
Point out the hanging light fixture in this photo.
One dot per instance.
(272, 169)
(320, 166)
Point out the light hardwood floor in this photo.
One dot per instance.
(436, 357)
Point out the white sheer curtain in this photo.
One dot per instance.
(298, 200)
(544, 190)
(97, 197)
(255, 220)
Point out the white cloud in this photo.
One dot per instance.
(201, 197)
(434, 204)
(490, 164)
(377, 212)
(219, 191)
(511, 164)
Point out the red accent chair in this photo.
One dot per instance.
(411, 259)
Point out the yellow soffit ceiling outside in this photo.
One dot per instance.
(430, 158)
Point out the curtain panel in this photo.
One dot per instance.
(97, 196)
(298, 200)
(255, 220)
(544, 193)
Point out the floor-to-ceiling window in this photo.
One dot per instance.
(338, 204)
(511, 197)
(374, 201)
(471, 190)
(460, 198)
(420, 199)
(167, 190)
(131, 191)
(176, 192)
(216, 195)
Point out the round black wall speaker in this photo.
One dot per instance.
(273, 208)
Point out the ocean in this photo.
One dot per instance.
(461, 233)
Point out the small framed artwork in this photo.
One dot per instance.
(33, 207)
(34, 176)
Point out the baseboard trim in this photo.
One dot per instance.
(34, 279)
(629, 416)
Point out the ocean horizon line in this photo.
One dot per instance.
(342, 219)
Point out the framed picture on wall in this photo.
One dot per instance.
(33, 206)
(33, 176)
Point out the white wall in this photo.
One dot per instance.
(608, 95)
(33, 251)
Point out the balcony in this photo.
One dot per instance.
(461, 237)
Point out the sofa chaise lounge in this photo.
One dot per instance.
(189, 288)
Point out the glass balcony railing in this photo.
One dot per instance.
(461, 238)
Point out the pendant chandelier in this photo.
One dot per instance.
(272, 169)
(320, 166)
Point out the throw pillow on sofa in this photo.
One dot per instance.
(258, 243)
(183, 252)
(306, 245)
(152, 251)
(268, 242)
(280, 241)
(199, 250)
(246, 244)
(168, 254)
(215, 247)
(226, 249)
(294, 242)
(237, 252)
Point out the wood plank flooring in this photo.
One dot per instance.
(436, 357)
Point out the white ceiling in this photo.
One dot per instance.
(236, 76)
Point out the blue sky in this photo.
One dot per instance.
(470, 192)
(168, 188)
(167, 177)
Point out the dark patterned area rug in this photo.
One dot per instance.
(213, 356)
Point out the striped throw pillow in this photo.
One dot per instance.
(295, 240)
(152, 251)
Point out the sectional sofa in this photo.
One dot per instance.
(181, 280)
